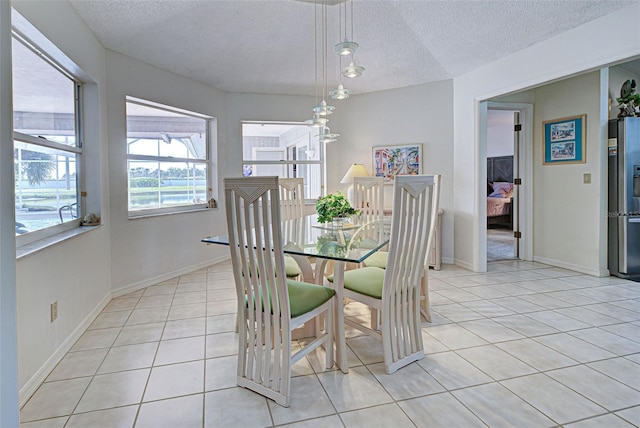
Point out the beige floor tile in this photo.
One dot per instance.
(456, 312)
(146, 316)
(368, 349)
(183, 412)
(221, 323)
(78, 364)
(453, 371)
(525, 326)
(606, 421)
(490, 330)
(190, 297)
(609, 341)
(455, 337)
(191, 310)
(495, 362)
(573, 347)
(46, 423)
(517, 304)
(410, 381)
(498, 407)
(175, 380)
(222, 307)
(382, 416)
(110, 319)
(53, 399)
(121, 304)
(96, 339)
(159, 301)
(220, 373)
(120, 417)
(308, 400)
(621, 369)
(235, 407)
(189, 287)
(607, 392)
(343, 389)
(180, 350)
(487, 308)
(168, 287)
(631, 415)
(558, 402)
(222, 344)
(439, 411)
(113, 390)
(184, 328)
(557, 320)
(324, 422)
(430, 343)
(141, 333)
(536, 354)
(129, 357)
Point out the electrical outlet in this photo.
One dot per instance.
(54, 311)
(586, 178)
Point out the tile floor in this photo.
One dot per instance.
(524, 345)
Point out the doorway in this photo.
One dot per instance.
(509, 177)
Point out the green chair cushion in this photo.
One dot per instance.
(305, 297)
(367, 281)
(377, 259)
(291, 268)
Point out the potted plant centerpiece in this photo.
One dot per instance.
(334, 207)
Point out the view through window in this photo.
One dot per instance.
(47, 145)
(288, 150)
(167, 158)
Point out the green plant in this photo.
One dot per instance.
(332, 206)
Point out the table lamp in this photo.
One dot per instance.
(355, 170)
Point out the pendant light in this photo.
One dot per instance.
(352, 70)
(326, 136)
(346, 47)
(321, 110)
(341, 93)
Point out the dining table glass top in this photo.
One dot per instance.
(345, 240)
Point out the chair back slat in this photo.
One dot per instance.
(413, 223)
(368, 197)
(292, 209)
(255, 241)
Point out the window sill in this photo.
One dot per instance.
(149, 214)
(34, 247)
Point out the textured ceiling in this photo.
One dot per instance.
(267, 46)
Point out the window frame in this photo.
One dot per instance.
(294, 162)
(48, 55)
(208, 161)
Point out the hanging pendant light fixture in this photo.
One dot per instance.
(340, 93)
(352, 70)
(325, 136)
(321, 110)
(346, 47)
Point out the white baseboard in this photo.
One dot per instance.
(121, 291)
(36, 380)
(32, 384)
(588, 270)
(447, 260)
(462, 264)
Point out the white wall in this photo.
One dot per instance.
(499, 133)
(77, 272)
(566, 211)
(146, 250)
(592, 45)
(417, 114)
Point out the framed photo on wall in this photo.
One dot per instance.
(565, 140)
(389, 161)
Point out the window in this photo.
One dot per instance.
(47, 141)
(288, 150)
(168, 159)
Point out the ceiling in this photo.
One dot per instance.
(267, 46)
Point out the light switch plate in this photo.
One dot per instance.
(586, 178)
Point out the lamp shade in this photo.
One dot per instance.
(355, 170)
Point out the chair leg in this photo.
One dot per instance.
(425, 307)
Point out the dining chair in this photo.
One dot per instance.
(395, 291)
(270, 306)
(291, 214)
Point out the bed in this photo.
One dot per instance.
(500, 192)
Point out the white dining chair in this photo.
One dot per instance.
(368, 197)
(395, 291)
(270, 306)
(293, 228)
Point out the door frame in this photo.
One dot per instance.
(525, 163)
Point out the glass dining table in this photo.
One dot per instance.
(311, 243)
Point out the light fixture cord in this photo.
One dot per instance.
(315, 46)
(345, 31)
(324, 50)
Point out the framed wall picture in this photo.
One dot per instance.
(389, 161)
(565, 140)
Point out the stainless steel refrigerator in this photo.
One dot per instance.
(624, 197)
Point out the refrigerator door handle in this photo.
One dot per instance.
(622, 244)
(634, 220)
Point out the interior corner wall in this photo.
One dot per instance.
(75, 273)
(566, 212)
(149, 249)
(592, 46)
(417, 114)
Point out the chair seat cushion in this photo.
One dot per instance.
(305, 297)
(291, 268)
(377, 259)
(367, 281)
